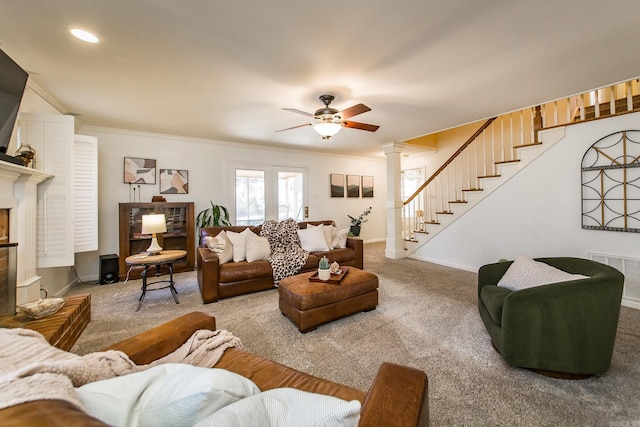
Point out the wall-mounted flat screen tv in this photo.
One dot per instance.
(13, 80)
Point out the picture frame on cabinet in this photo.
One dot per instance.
(174, 181)
(139, 171)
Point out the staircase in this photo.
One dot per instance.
(500, 148)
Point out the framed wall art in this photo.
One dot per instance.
(353, 185)
(367, 186)
(337, 184)
(174, 181)
(139, 171)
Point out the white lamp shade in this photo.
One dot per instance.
(155, 223)
(327, 129)
(152, 224)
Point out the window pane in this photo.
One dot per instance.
(250, 197)
(411, 180)
(290, 195)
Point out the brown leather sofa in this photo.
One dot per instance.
(236, 278)
(398, 396)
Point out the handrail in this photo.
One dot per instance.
(451, 159)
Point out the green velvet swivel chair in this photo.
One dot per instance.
(564, 330)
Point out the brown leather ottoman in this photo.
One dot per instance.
(310, 304)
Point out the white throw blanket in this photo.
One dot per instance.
(32, 369)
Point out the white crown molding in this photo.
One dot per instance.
(221, 143)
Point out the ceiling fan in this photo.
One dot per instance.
(330, 121)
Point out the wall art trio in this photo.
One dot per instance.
(354, 185)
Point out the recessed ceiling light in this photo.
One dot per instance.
(84, 35)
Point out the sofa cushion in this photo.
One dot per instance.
(221, 246)
(257, 248)
(492, 298)
(312, 239)
(179, 394)
(339, 236)
(238, 240)
(287, 407)
(165, 395)
(341, 256)
(243, 270)
(525, 273)
(328, 233)
(311, 264)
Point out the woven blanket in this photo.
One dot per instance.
(32, 369)
(287, 256)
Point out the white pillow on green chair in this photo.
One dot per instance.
(526, 272)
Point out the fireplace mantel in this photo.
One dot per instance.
(19, 193)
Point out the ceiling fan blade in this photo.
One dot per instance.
(361, 126)
(293, 110)
(354, 111)
(295, 127)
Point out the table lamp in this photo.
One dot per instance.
(153, 224)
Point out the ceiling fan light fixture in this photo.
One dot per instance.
(327, 129)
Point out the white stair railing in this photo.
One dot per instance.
(497, 142)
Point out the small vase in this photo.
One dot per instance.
(324, 274)
(355, 230)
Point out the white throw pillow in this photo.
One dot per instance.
(165, 395)
(286, 407)
(312, 239)
(526, 272)
(239, 242)
(257, 248)
(339, 236)
(328, 233)
(221, 245)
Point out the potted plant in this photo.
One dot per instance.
(357, 222)
(213, 216)
(324, 273)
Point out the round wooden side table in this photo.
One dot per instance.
(158, 260)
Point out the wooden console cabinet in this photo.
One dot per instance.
(180, 233)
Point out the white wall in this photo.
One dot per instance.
(537, 212)
(208, 164)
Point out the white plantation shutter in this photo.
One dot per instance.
(85, 193)
(52, 138)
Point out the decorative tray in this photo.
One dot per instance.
(335, 278)
(42, 307)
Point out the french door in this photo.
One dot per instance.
(268, 192)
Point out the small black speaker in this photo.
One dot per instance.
(109, 269)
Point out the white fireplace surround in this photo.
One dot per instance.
(19, 194)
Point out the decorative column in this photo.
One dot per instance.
(395, 244)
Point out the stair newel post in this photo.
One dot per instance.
(537, 123)
(395, 242)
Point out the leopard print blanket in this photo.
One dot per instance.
(287, 256)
